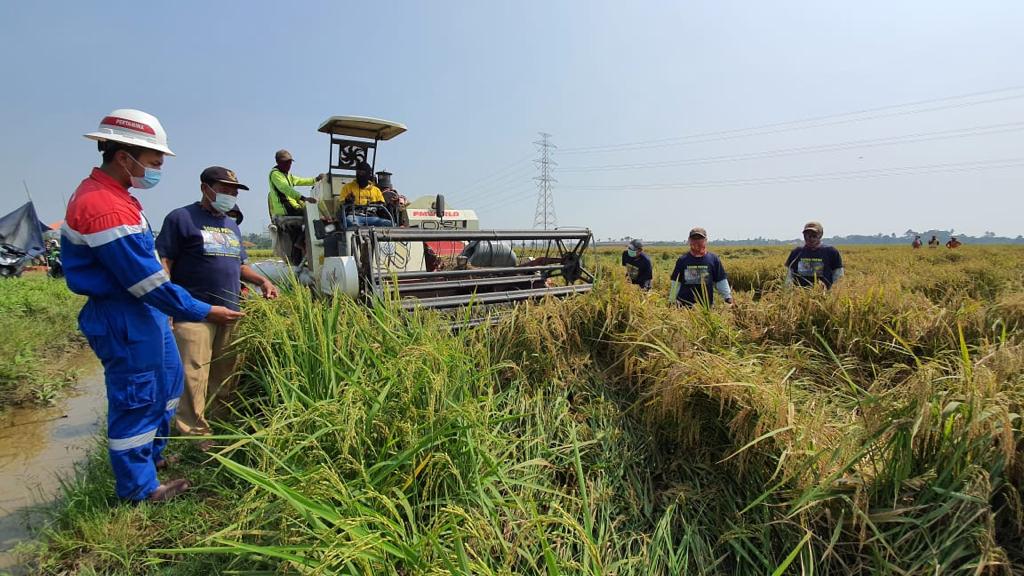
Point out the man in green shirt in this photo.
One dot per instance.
(285, 201)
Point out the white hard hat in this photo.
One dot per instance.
(132, 127)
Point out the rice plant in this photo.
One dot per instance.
(872, 429)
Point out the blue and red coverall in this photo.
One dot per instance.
(108, 255)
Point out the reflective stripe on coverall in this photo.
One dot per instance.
(144, 379)
(109, 256)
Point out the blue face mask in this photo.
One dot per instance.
(223, 203)
(149, 179)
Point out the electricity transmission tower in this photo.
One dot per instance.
(544, 217)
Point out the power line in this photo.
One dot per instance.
(491, 175)
(510, 171)
(793, 179)
(795, 151)
(816, 177)
(491, 194)
(493, 190)
(498, 201)
(544, 216)
(808, 127)
(509, 201)
(487, 190)
(790, 179)
(791, 125)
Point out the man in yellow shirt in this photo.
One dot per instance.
(362, 193)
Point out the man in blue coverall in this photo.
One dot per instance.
(109, 256)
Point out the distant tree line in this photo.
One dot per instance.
(261, 241)
(906, 238)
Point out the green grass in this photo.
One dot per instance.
(260, 253)
(38, 321)
(873, 429)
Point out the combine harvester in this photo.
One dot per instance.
(439, 258)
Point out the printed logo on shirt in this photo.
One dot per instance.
(221, 242)
(696, 274)
(810, 267)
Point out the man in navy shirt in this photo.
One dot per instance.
(201, 248)
(814, 262)
(639, 270)
(698, 274)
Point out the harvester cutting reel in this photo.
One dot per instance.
(445, 269)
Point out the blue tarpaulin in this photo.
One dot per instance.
(22, 229)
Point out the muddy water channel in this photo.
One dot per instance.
(38, 446)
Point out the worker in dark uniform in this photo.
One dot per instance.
(698, 274)
(814, 262)
(639, 269)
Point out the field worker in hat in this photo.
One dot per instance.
(364, 195)
(110, 257)
(284, 200)
(201, 249)
(814, 262)
(698, 274)
(639, 269)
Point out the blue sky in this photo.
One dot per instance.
(476, 81)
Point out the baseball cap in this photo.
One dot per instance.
(282, 156)
(635, 244)
(215, 174)
(815, 226)
(698, 232)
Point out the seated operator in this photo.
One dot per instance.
(365, 199)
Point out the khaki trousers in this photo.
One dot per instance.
(209, 374)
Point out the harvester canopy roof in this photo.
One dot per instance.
(362, 127)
